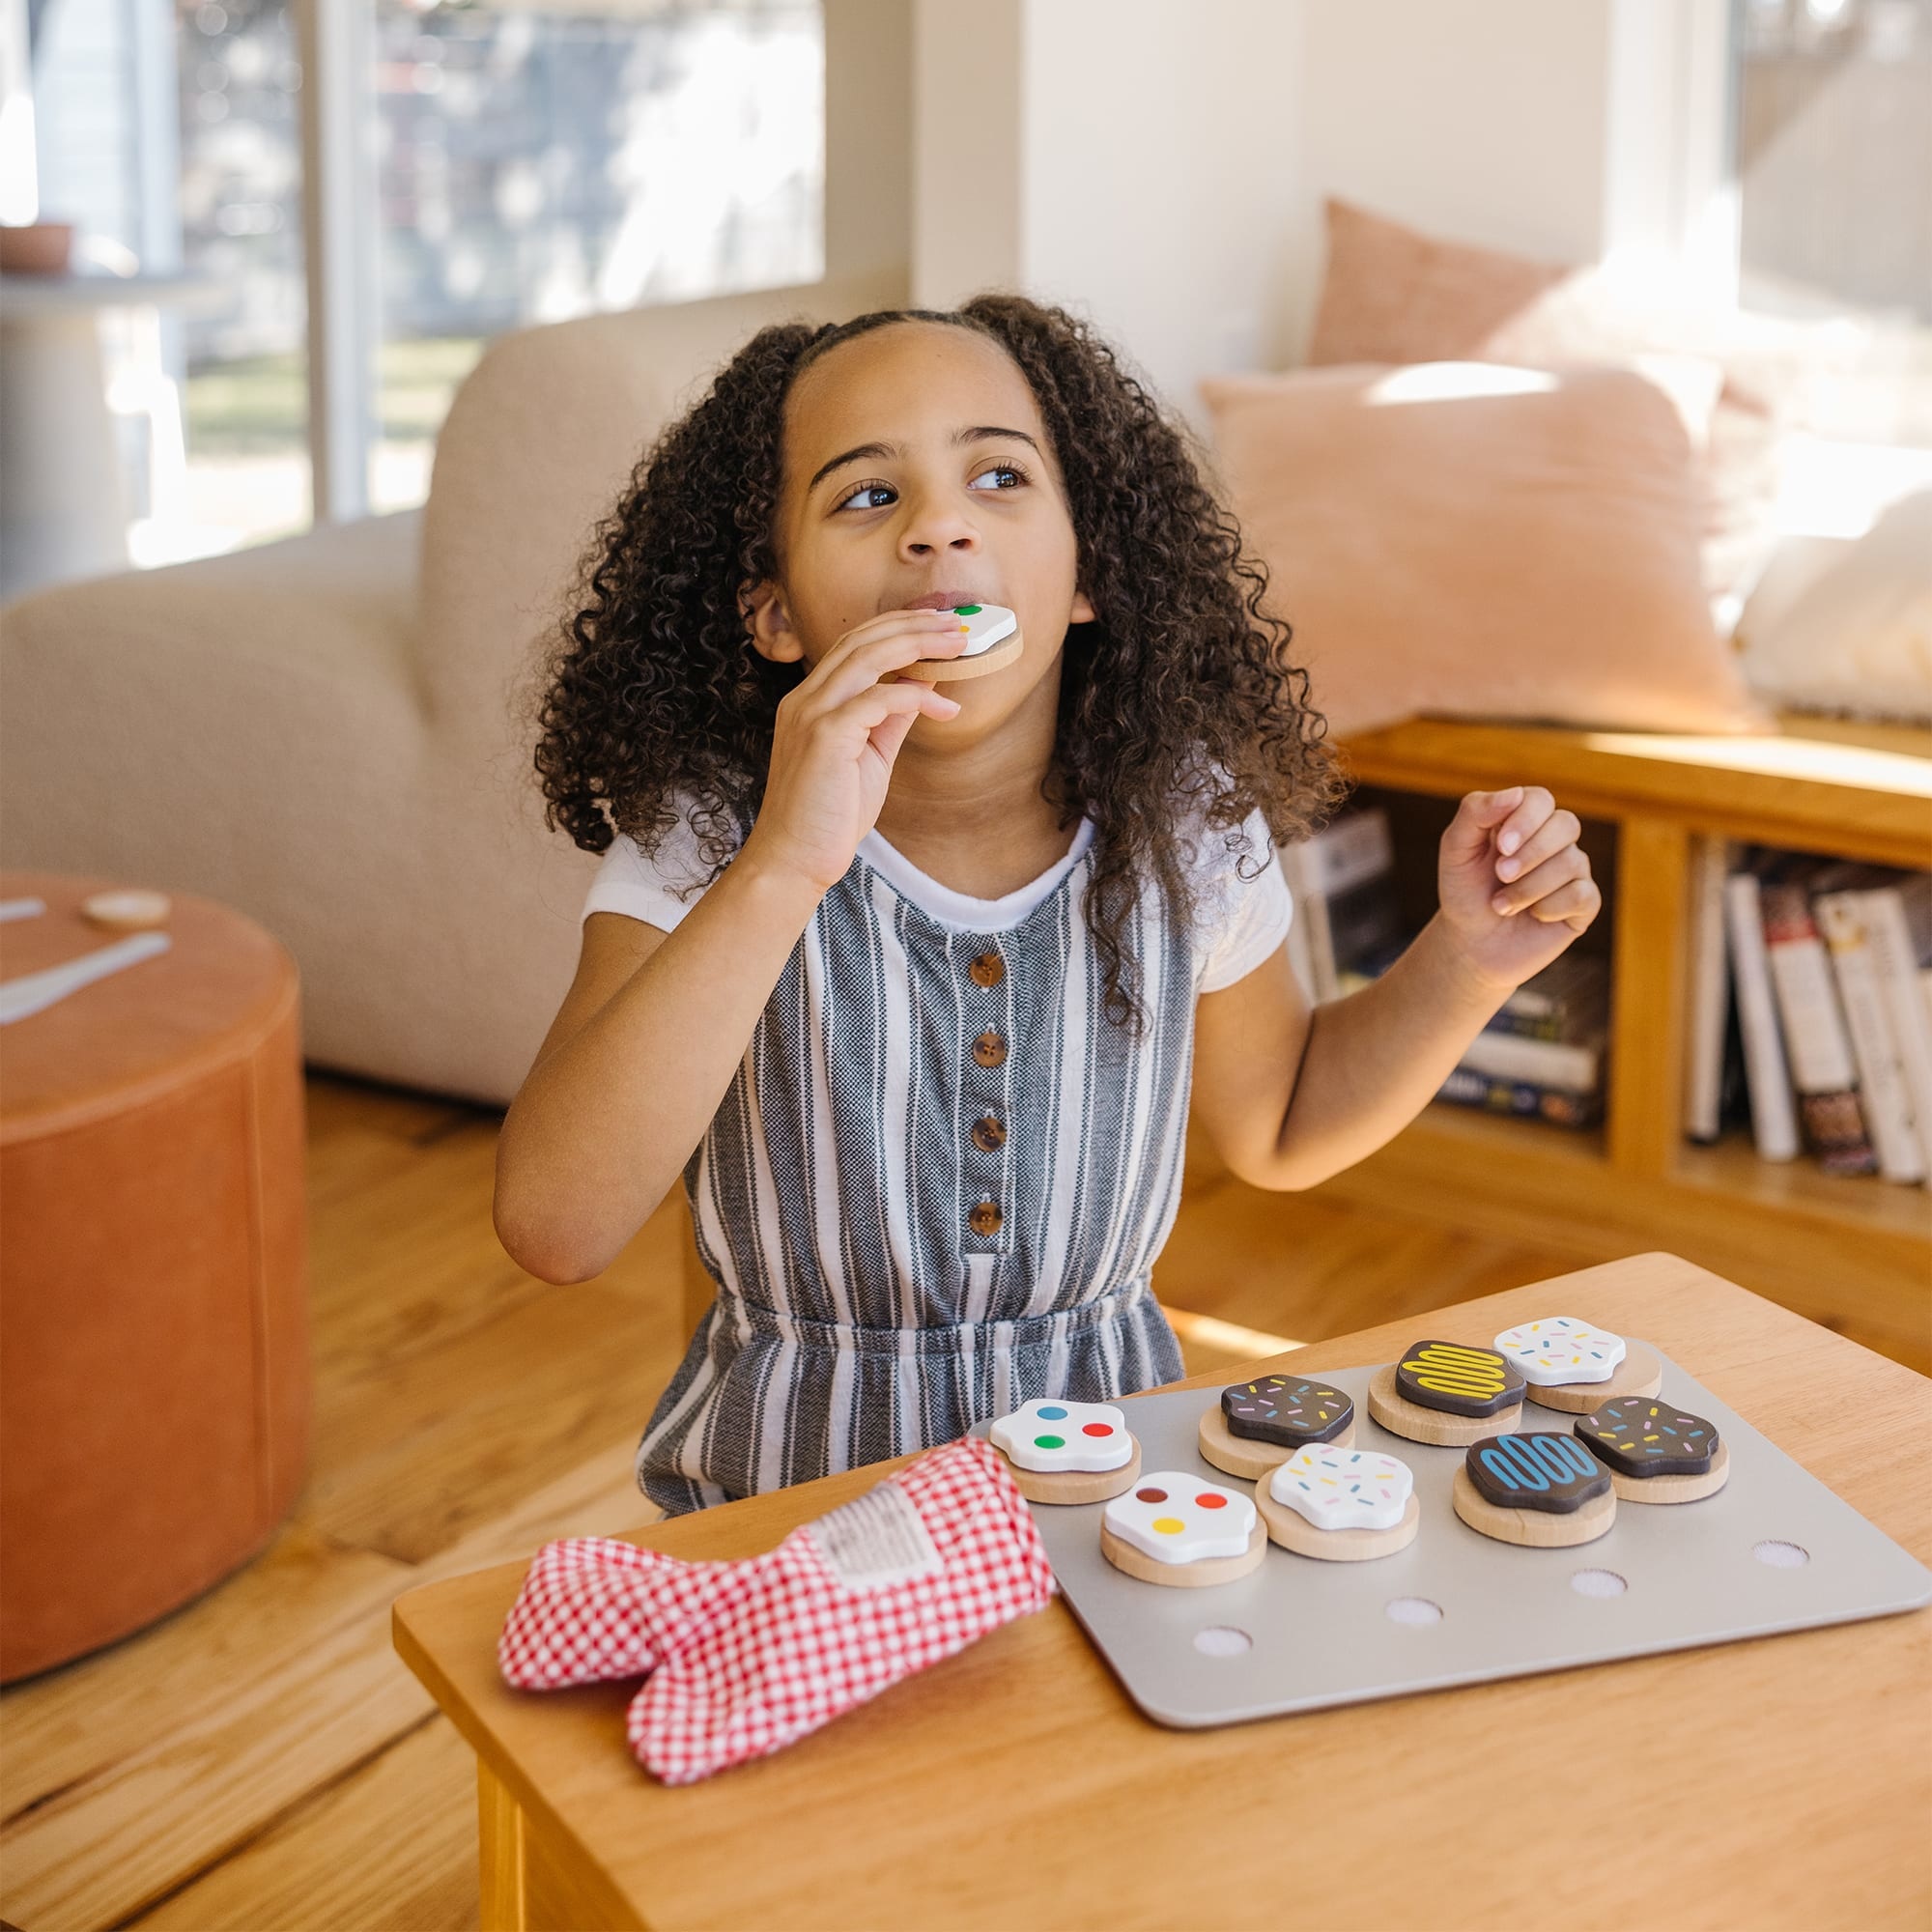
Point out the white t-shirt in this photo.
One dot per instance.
(1240, 921)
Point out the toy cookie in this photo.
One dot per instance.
(1342, 1505)
(1536, 1488)
(1177, 1529)
(1067, 1452)
(1654, 1451)
(1257, 1426)
(993, 642)
(1446, 1393)
(1573, 1366)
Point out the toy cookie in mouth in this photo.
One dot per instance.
(1536, 1488)
(1257, 1426)
(1654, 1451)
(1446, 1393)
(1341, 1505)
(1177, 1529)
(1574, 1367)
(1067, 1452)
(993, 642)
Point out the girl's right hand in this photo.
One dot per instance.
(836, 737)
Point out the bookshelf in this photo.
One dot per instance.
(1855, 1254)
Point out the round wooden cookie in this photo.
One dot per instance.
(956, 671)
(127, 909)
(1639, 1373)
(1242, 1455)
(1074, 1486)
(1134, 1562)
(1534, 1529)
(1401, 1417)
(1293, 1531)
(1675, 1488)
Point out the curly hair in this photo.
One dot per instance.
(1181, 691)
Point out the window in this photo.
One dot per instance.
(514, 164)
(537, 163)
(1833, 133)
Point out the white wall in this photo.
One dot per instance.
(1131, 159)
(868, 138)
(1574, 130)
(1161, 164)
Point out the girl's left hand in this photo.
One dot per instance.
(1515, 887)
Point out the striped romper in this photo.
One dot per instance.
(938, 1184)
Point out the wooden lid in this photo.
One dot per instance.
(132, 1036)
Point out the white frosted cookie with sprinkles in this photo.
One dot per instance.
(1062, 1451)
(1180, 1529)
(1340, 1505)
(1344, 1489)
(1560, 1348)
(1571, 1364)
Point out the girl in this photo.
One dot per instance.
(915, 982)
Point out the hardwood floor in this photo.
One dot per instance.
(260, 1759)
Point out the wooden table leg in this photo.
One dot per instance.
(499, 1840)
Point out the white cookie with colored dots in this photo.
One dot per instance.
(1560, 1349)
(1176, 1518)
(1344, 1489)
(1055, 1437)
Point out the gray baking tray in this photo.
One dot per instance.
(1773, 1550)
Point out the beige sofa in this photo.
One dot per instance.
(323, 732)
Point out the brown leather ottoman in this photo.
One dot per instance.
(155, 1386)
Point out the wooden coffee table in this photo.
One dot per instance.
(1783, 1781)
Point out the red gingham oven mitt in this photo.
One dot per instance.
(743, 1658)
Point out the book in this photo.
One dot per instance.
(1883, 1099)
(1343, 882)
(1773, 1114)
(1709, 990)
(1465, 1087)
(1574, 1067)
(1888, 933)
(1314, 960)
(1568, 1000)
(1817, 1045)
(1914, 893)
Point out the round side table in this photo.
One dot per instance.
(155, 1375)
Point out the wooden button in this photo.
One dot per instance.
(985, 1219)
(989, 1049)
(988, 1136)
(988, 969)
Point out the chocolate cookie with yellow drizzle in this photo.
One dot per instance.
(1447, 1393)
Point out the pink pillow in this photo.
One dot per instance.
(1472, 541)
(1391, 294)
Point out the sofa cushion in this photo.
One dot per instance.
(1858, 638)
(1393, 294)
(1470, 541)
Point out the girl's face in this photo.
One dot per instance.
(917, 469)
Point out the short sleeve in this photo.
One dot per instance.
(659, 891)
(1241, 920)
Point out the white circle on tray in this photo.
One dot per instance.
(1176, 1518)
(1344, 1489)
(1560, 1348)
(1054, 1436)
